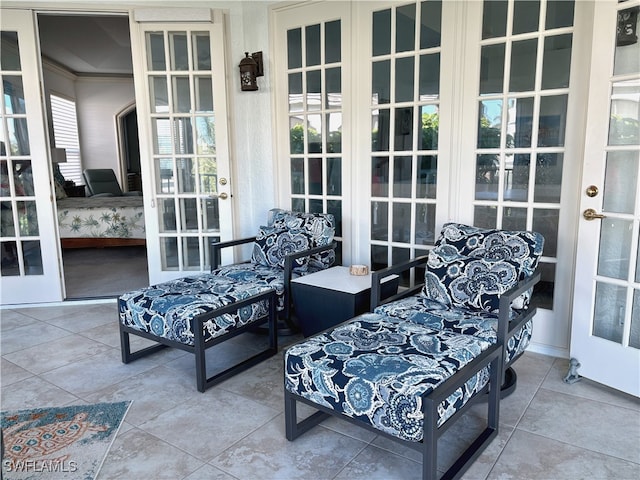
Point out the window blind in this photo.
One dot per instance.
(65, 133)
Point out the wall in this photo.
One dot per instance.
(59, 81)
(253, 164)
(99, 100)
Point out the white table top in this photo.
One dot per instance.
(337, 278)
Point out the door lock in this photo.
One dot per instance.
(591, 214)
(592, 191)
(222, 181)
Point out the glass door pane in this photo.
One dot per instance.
(617, 274)
(405, 109)
(29, 269)
(190, 168)
(315, 118)
(522, 110)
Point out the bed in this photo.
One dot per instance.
(101, 221)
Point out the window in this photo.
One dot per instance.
(65, 132)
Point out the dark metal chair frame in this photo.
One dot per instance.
(431, 432)
(200, 345)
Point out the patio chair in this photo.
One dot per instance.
(466, 273)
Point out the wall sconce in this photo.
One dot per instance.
(251, 67)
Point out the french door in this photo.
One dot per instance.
(315, 140)
(605, 336)
(455, 111)
(179, 73)
(30, 271)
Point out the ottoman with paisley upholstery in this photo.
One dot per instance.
(194, 314)
(400, 379)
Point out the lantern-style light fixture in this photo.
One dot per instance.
(250, 68)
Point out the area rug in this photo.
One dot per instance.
(59, 442)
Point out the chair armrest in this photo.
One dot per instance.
(378, 276)
(506, 325)
(288, 259)
(216, 247)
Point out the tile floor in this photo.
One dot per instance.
(70, 354)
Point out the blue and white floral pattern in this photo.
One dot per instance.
(375, 369)
(480, 323)
(493, 245)
(319, 226)
(467, 271)
(468, 282)
(168, 309)
(273, 244)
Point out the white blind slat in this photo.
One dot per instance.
(65, 133)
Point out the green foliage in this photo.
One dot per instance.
(624, 131)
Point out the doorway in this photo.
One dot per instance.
(87, 58)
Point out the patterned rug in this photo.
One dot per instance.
(59, 442)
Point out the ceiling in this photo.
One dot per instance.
(87, 45)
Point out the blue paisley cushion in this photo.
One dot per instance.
(375, 369)
(468, 282)
(273, 244)
(168, 309)
(319, 226)
(258, 275)
(479, 323)
(523, 247)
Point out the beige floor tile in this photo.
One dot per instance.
(136, 454)
(85, 317)
(588, 424)
(153, 392)
(10, 319)
(531, 456)
(208, 472)
(207, 425)
(11, 373)
(586, 388)
(36, 333)
(263, 383)
(92, 374)
(267, 454)
(56, 353)
(34, 392)
(377, 464)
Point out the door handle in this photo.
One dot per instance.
(591, 214)
(221, 196)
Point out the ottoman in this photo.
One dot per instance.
(400, 379)
(194, 314)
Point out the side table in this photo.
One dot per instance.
(323, 299)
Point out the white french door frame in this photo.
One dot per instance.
(456, 152)
(46, 287)
(178, 19)
(612, 363)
